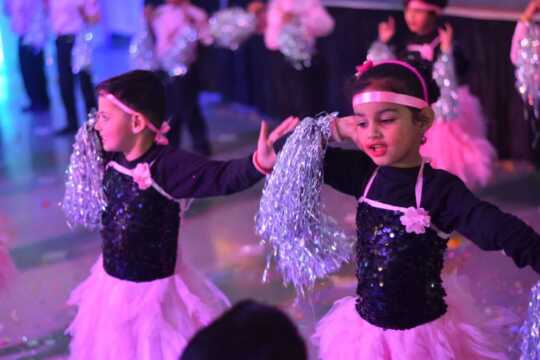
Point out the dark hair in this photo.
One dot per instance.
(397, 78)
(249, 330)
(141, 90)
(440, 3)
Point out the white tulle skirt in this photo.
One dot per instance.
(463, 333)
(119, 319)
(460, 146)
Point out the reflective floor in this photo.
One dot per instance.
(217, 237)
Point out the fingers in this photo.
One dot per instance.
(446, 29)
(285, 127)
(346, 126)
(263, 134)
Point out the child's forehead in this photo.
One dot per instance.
(106, 105)
(376, 107)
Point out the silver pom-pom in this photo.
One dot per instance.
(182, 53)
(528, 68)
(530, 330)
(141, 51)
(231, 27)
(84, 199)
(380, 51)
(446, 108)
(82, 51)
(36, 36)
(305, 243)
(296, 45)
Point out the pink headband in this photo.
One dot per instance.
(390, 97)
(160, 133)
(420, 5)
(385, 96)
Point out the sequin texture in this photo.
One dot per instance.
(140, 230)
(399, 282)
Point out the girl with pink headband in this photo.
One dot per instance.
(405, 306)
(141, 300)
(457, 140)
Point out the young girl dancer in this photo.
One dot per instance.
(168, 22)
(141, 301)
(457, 140)
(406, 208)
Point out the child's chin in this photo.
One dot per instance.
(109, 148)
(380, 161)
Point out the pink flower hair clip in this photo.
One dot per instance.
(361, 69)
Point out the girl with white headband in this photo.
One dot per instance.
(141, 301)
(403, 309)
(457, 140)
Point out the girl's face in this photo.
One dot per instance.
(114, 127)
(388, 134)
(420, 22)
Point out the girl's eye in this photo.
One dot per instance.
(102, 116)
(362, 124)
(387, 120)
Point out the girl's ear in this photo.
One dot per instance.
(426, 116)
(138, 123)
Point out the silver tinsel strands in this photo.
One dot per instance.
(231, 27)
(305, 244)
(82, 51)
(182, 53)
(530, 331)
(141, 51)
(379, 51)
(296, 45)
(84, 199)
(528, 68)
(446, 108)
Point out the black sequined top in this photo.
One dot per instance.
(399, 282)
(399, 285)
(140, 227)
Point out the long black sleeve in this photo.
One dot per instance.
(347, 170)
(488, 226)
(185, 175)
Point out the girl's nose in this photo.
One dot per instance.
(373, 132)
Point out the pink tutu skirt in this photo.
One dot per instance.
(120, 319)
(449, 148)
(471, 117)
(463, 333)
(460, 146)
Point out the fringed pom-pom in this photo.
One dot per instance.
(84, 199)
(177, 60)
(141, 51)
(530, 330)
(231, 27)
(305, 244)
(446, 108)
(528, 68)
(297, 46)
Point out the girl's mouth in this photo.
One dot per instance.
(377, 150)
